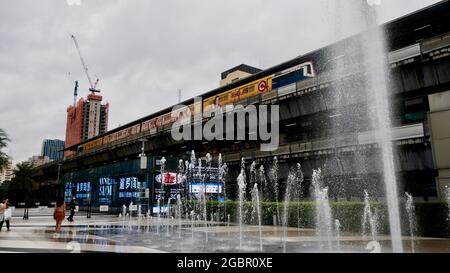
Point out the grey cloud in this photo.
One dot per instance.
(144, 51)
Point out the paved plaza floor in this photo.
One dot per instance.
(37, 234)
(110, 233)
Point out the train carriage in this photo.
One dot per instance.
(239, 94)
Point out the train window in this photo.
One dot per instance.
(287, 79)
(307, 69)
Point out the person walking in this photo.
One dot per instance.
(5, 213)
(25, 212)
(72, 208)
(60, 213)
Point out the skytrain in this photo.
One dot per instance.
(236, 95)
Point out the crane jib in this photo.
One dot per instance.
(93, 86)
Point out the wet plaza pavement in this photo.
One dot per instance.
(109, 233)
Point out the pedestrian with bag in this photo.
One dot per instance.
(60, 213)
(5, 213)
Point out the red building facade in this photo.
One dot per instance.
(88, 118)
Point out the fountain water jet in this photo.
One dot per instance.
(369, 217)
(409, 206)
(299, 185)
(290, 189)
(148, 221)
(159, 215)
(124, 213)
(257, 210)
(374, 52)
(337, 229)
(252, 174)
(371, 63)
(324, 225)
(192, 224)
(162, 171)
(205, 218)
(275, 182)
(223, 171)
(241, 188)
(169, 217)
(263, 183)
(447, 197)
(228, 224)
(179, 213)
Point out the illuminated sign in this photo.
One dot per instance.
(130, 187)
(206, 187)
(169, 179)
(157, 210)
(105, 189)
(83, 190)
(199, 173)
(68, 191)
(129, 183)
(106, 185)
(84, 187)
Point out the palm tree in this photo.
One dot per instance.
(22, 185)
(3, 143)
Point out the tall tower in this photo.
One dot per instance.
(52, 148)
(97, 116)
(87, 119)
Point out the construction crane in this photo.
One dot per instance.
(75, 93)
(93, 88)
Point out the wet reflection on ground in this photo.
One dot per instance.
(111, 234)
(169, 236)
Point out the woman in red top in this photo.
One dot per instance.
(60, 213)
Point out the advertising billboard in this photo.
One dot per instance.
(131, 187)
(107, 190)
(239, 93)
(210, 187)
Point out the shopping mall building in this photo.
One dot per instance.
(106, 169)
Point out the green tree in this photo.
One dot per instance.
(4, 189)
(22, 185)
(3, 143)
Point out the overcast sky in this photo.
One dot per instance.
(143, 51)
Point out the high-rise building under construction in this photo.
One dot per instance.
(86, 119)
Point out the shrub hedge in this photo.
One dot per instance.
(430, 217)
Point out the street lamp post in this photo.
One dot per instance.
(143, 167)
(58, 179)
